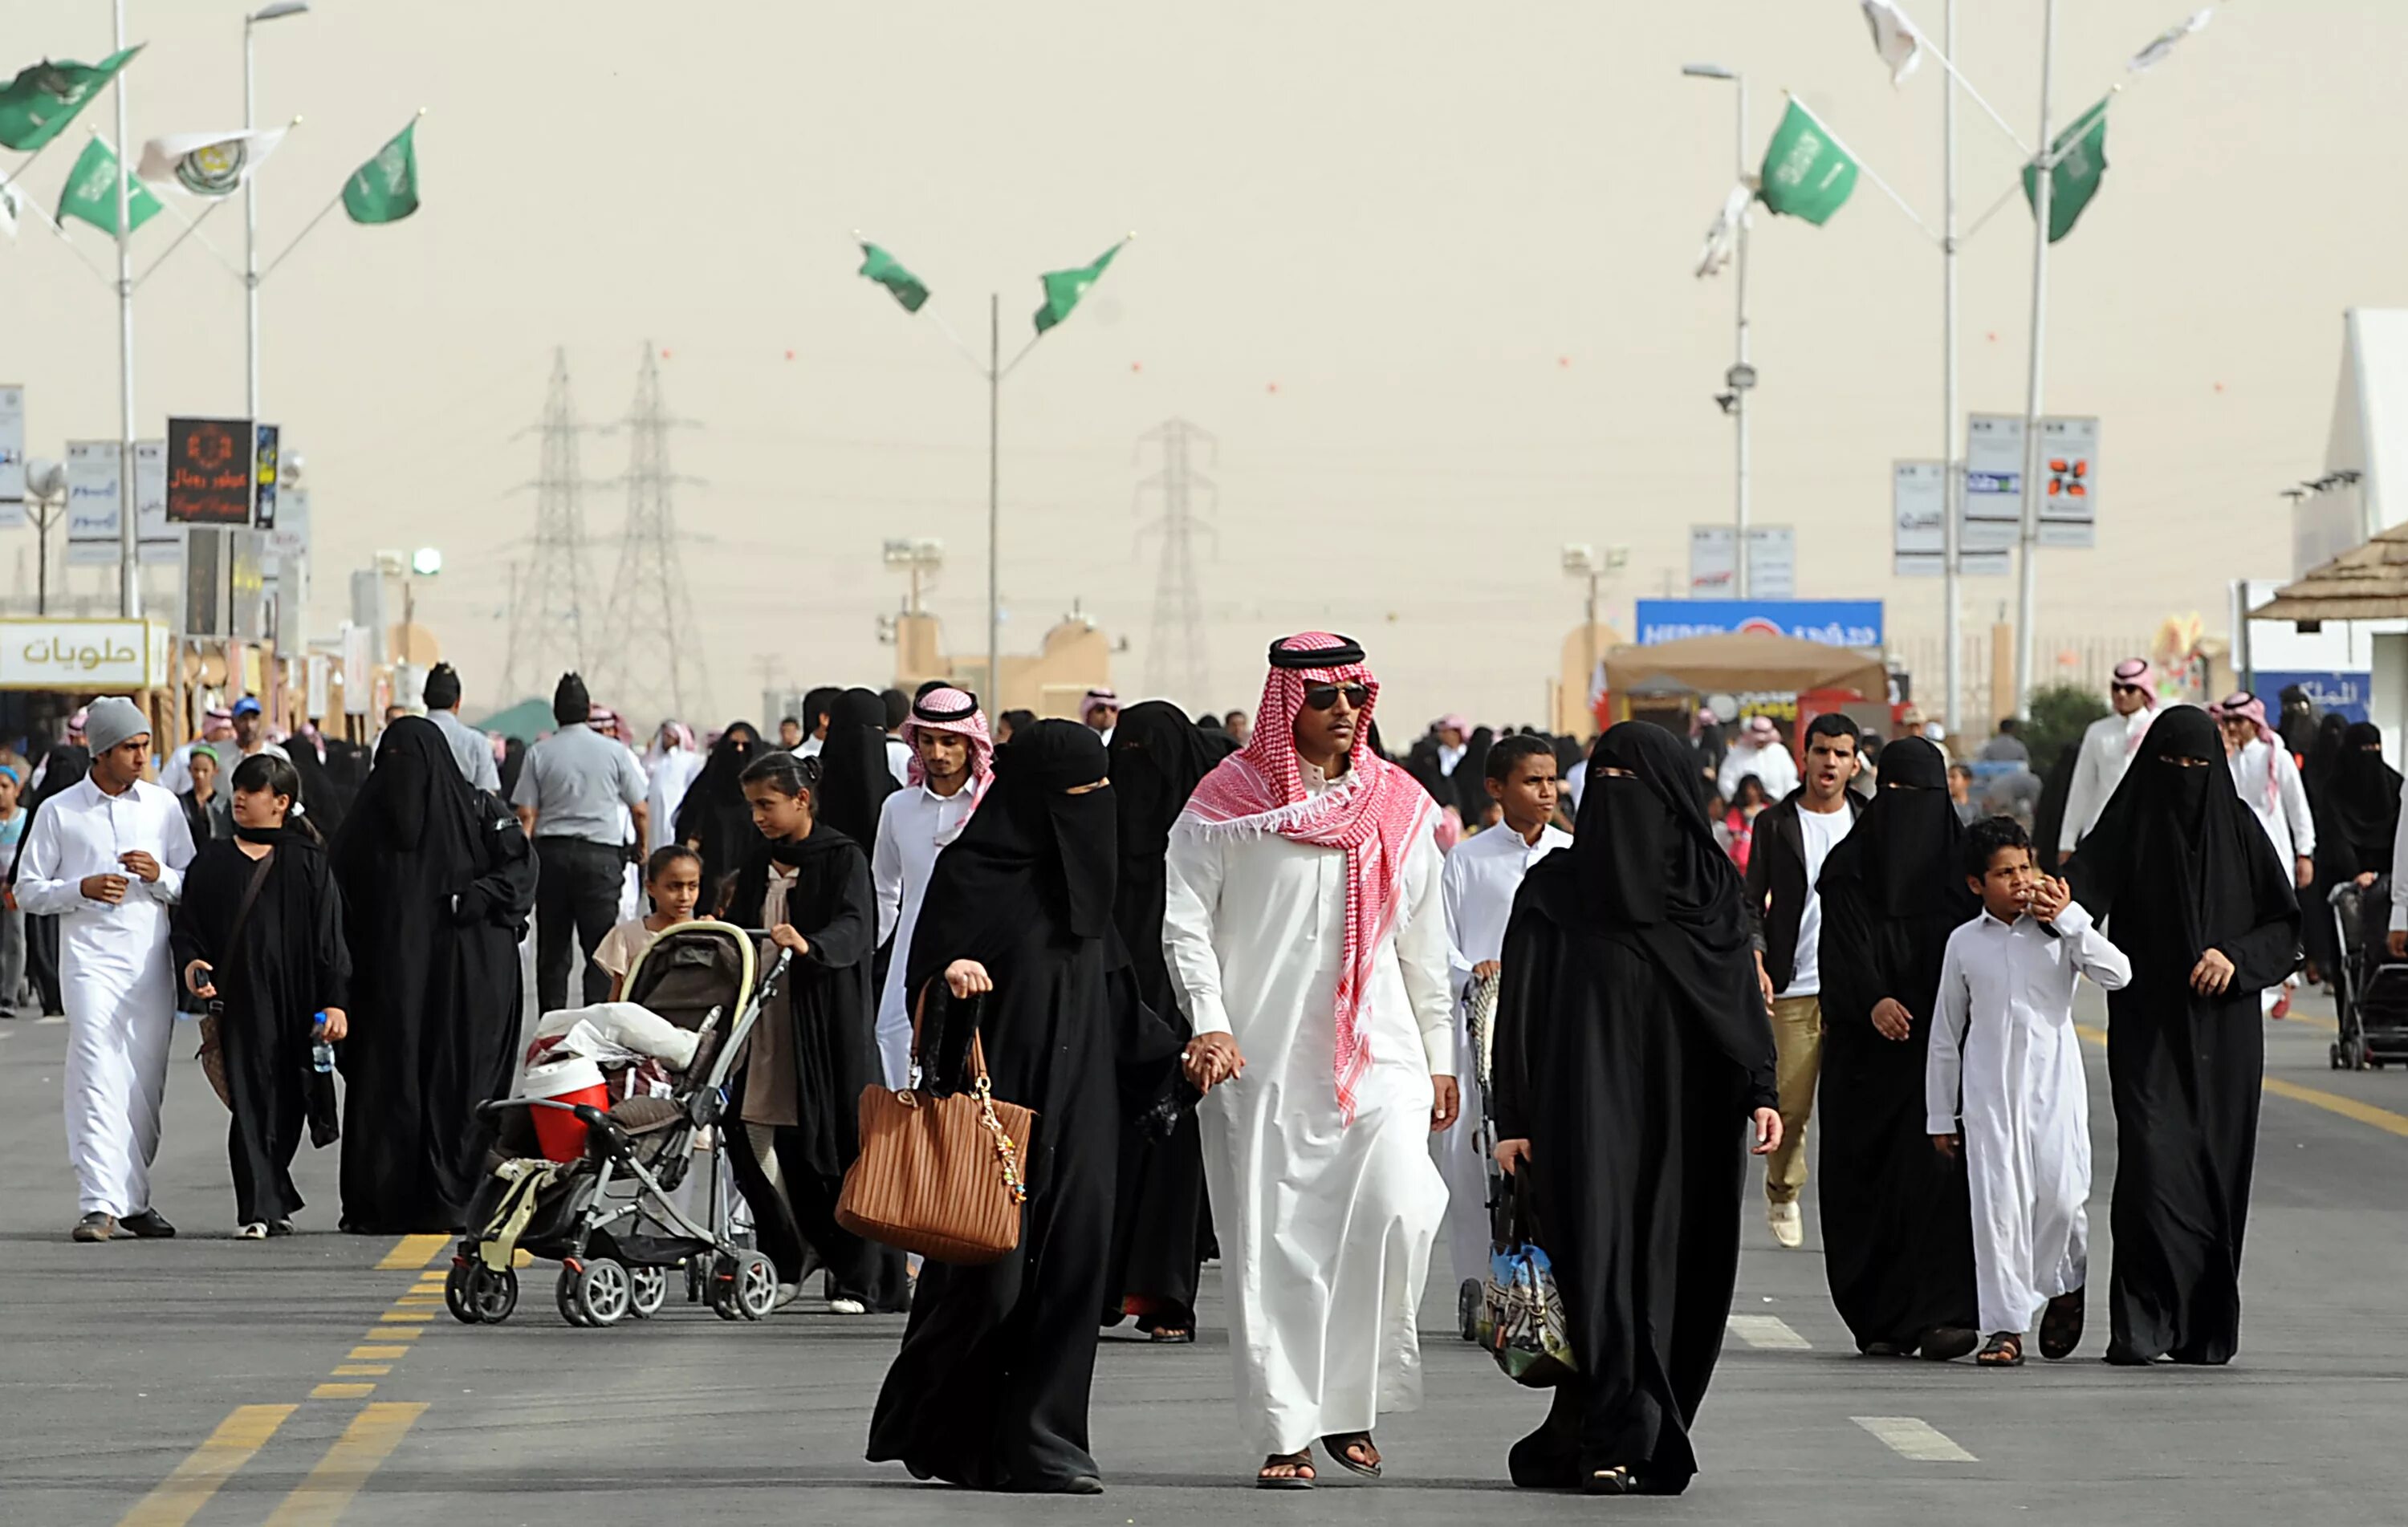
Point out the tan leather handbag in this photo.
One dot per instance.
(939, 1176)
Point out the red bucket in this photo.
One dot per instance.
(571, 1080)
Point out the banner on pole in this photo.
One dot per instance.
(1919, 544)
(12, 457)
(211, 465)
(358, 657)
(93, 505)
(205, 583)
(317, 688)
(263, 482)
(1994, 481)
(246, 594)
(1771, 562)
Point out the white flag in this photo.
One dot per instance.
(2163, 43)
(1724, 235)
(1895, 39)
(208, 163)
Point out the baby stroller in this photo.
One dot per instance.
(2370, 991)
(610, 1217)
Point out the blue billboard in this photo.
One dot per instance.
(2341, 695)
(1834, 623)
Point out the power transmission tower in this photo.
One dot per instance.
(1175, 661)
(549, 619)
(656, 665)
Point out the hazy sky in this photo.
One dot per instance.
(1424, 270)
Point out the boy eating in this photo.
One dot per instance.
(2004, 1035)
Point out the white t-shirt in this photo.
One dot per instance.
(1820, 832)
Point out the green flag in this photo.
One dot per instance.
(881, 268)
(90, 192)
(2081, 155)
(1806, 173)
(1064, 288)
(37, 105)
(385, 189)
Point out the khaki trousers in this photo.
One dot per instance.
(1798, 1042)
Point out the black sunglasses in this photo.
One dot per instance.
(1322, 696)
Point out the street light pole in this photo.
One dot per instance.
(995, 702)
(129, 572)
(275, 11)
(1952, 482)
(2026, 644)
(1742, 377)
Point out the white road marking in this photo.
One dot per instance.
(1768, 1330)
(1911, 1436)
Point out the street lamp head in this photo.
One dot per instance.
(275, 10)
(1708, 71)
(427, 561)
(1579, 561)
(46, 479)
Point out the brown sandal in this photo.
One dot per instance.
(2005, 1350)
(1343, 1447)
(1299, 1477)
(2060, 1326)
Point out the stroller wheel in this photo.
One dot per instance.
(1467, 1301)
(755, 1293)
(456, 1296)
(2339, 1061)
(492, 1295)
(603, 1291)
(563, 1294)
(649, 1290)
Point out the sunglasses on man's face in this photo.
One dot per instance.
(1324, 696)
(2124, 689)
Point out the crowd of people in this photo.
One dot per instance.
(1231, 963)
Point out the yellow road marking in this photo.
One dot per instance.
(370, 1354)
(319, 1500)
(2314, 1097)
(405, 1317)
(362, 1370)
(342, 1391)
(184, 1492)
(412, 1252)
(415, 1301)
(396, 1332)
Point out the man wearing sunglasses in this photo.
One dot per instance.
(2107, 749)
(1305, 932)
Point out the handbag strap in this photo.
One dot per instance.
(250, 899)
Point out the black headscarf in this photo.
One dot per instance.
(1904, 849)
(2195, 858)
(713, 813)
(1029, 847)
(68, 763)
(2324, 752)
(1158, 757)
(1644, 871)
(2363, 794)
(422, 810)
(513, 764)
(854, 781)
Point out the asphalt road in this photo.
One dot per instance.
(313, 1381)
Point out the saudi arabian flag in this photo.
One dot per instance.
(888, 272)
(385, 189)
(90, 192)
(1807, 174)
(1064, 288)
(37, 105)
(2080, 153)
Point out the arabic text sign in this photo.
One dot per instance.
(1835, 622)
(1919, 544)
(79, 655)
(1994, 481)
(92, 504)
(211, 463)
(1771, 562)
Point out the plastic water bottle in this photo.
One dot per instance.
(322, 1050)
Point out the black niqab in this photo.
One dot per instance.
(1905, 846)
(854, 781)
(2364, 796)
(714, 815)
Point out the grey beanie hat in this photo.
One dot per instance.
(110, 721)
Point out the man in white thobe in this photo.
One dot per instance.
(2005, 1058)
(2267, 779)
(106, 858)
(951, 760)
(1482, 875)
(1304, 931)
(2107, 749)
(1759, 751)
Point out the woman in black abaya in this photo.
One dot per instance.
(854, 781)
(63, 767)
(436, 880)
(1632, 1045)
(815, 1046)
(1157, 758)
(1898, 1238)
(2355, 797)
(713, 818)
(1015, 938)
(2189, 887)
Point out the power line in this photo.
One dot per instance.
(1176, 665)
(656, 665)
(548, 615)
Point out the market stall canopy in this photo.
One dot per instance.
(526, 720)
(2367, 582)
(1745, 660)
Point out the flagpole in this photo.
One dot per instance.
(995, 702)
(1951, 532)
(249, 243)
(1742, 379)
(129, 582)
(2027, 592)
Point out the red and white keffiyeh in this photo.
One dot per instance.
(2250, 708)
(955, 712)
(2142, 675)
(1375, 813)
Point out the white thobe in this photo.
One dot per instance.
(2289, 826)
(670, 775)
(2003, 1037)
(114, 971)
(912, 825)
(1478, 885)
(1771, 765)
(1324, 1227)
(2107, 749)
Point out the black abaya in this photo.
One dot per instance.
(2177, 865)
(65, 766)
(1159, 1214)
(829, 1011)
(854, 781)
(1630, 1044)
(713, 817)
(286, 964)
(437, 879)
(990, 1389)
(1898, 1240)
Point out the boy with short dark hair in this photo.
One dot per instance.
(2003, 1038)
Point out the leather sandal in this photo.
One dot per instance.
(1300, 1477)
(2004, 1349)
(2060, 1326)
(1343, 1447)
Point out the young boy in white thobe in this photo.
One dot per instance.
(1483, 873)
(2005, 1058)
(106, 858)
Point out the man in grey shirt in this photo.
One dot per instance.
(568, 798)
(470, 749)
